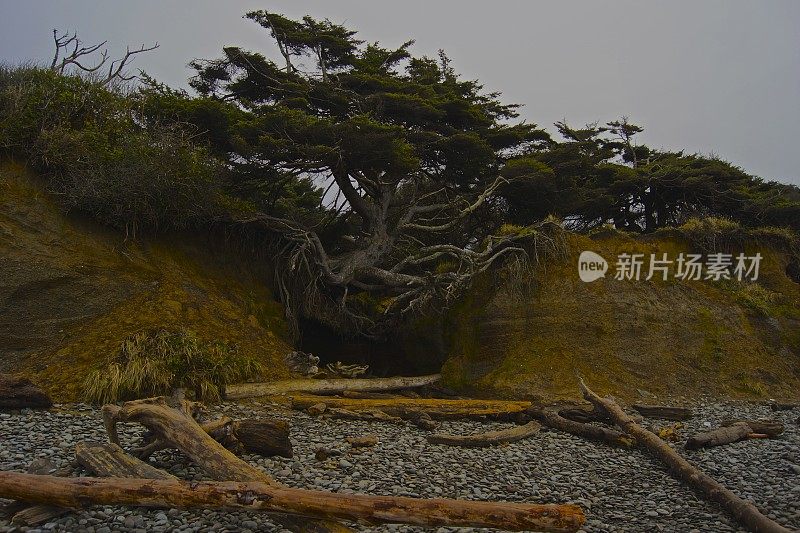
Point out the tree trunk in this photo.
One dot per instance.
(33, 515)
(664, 412)
(719, 436)
(409, 408)
(327, 386)
(489, 438)
(260, 496)
(746, 513)
(555, 420)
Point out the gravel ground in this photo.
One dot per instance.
(620, 490)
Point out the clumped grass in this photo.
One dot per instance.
(152, 363)
(714, 234)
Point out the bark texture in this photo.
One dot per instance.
(327, 386)
(719, 436)
(409, 408)
(255, 496)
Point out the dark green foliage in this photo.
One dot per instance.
(89, 141)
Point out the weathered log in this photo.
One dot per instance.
(262, 436)
(19, 393)
(778, 406)
(327, 386)
(368, 395)
(373, 415)
(554, 420)
(664, 412)
(408, 408)
(174, 426)
(745, 512)
(719, 436)
(771, 428)
(488, 438)
(25, 514)
(260, 496)
(109, 460)
(584, 416)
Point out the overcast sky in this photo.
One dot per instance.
(719, 76)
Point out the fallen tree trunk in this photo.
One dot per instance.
(259, 496)
(664, 412)
(745, 512)
(770, 428)
(489, 438)
(554, 420)
(368, 416)
(174, 426)
(719, 436)
(408, 408)
(327, 386)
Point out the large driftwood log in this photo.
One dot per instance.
(255, 496)
(554, 420)
(664, 412)
(20, 393)
(409, 408)
(745, 512)
(719, 436)
(486, 439)
(327, 386)
(174, 426)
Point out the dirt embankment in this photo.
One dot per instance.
(630, 338)
(71, 291)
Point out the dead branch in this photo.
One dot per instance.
(553, 419)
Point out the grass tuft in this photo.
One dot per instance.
(152, 363)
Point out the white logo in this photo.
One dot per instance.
(591, 266)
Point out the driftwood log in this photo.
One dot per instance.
(327, 386)
(408, 408)
(664, 412)
(261, 496)
(584, 416)
(19, 393)
(719, 436)
(489, 438)
(173, 424)
(553, 419)
(24, 514)
(745, 512)
(263, 436)
(770, 428)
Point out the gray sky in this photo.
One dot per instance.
(710, 76)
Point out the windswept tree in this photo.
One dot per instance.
(406, 157)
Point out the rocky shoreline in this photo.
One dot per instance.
(620, 490)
